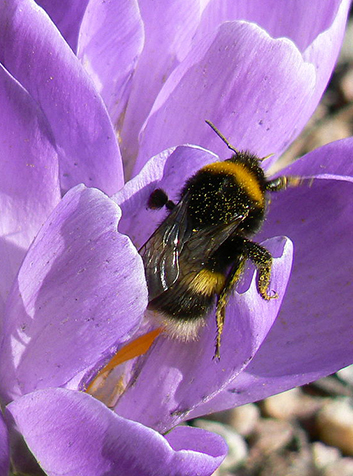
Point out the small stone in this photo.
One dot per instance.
(243, 419)
(272, 435)
(335, 425)
(292, 458)
(237, 447)
(282, 406)
(291, 404)
(343, 467)
(324, 455)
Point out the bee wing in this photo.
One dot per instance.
(161, 252)
(203, 243)
(174, 243)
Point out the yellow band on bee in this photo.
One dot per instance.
(208, 282)
(245, 178)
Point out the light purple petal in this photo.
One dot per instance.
(67, 16)
(313, 335)
(250, 61)
(29, 187)
(301, 22)
(111, 40)
(192, 439)
(80, 291)
(33, 50)
(4, 449)
(263, 97)
(169, 30)
(315, 28)
(332, 161)
(72, 433)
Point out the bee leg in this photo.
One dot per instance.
(283, 182)
(232, 279)
(159, 199)
(262, 259)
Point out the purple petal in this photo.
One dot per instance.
(169, 30)
(4, 449)
(67, 16)
(28, 176)
(332, 161)
(111, 40)
(33, 50)
(263, 98)
(301, 22)
(184, 374)
(72, 433)
(80, 291)
(313, 336)
(192, 439)
(250, 61)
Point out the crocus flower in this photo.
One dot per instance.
(73, 288)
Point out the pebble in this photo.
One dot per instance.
(344, 467)
(291, 404)
(243, 419)
(271, 435)
(335, 424)
(324, 456)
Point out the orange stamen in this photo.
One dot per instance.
(133, 349)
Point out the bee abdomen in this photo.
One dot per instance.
(182, 308)
(207, 282)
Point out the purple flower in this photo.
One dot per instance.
(73, 289)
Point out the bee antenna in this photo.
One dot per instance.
(221, 136)
(267, 157)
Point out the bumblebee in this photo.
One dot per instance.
(197, 254)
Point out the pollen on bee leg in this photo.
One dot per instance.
(264, 284)
(135, 348)
(233, 278)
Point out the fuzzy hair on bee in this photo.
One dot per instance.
(197, 254)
